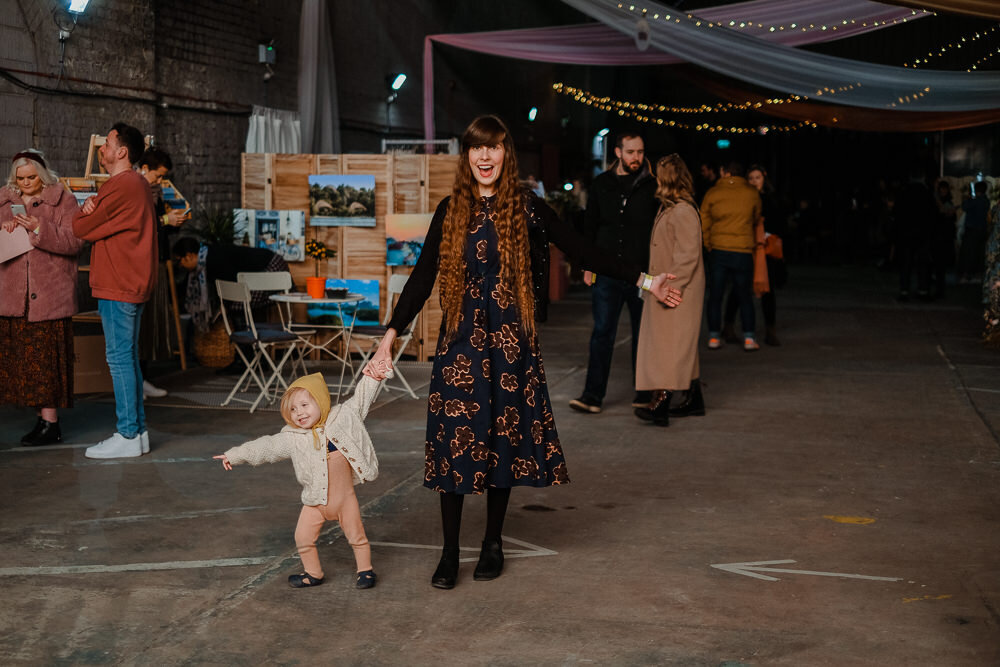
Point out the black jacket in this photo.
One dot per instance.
(544, 227)
(619, 222)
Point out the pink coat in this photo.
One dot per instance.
(45, 277)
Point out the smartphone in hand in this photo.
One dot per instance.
(18, 209)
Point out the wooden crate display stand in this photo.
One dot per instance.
(403, 184)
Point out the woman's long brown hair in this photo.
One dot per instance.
(510, 221)
(673, 181)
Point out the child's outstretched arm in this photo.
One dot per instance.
(225, 461)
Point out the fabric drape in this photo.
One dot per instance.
(273, 131)
(317, 81)
(812, 75)
(988, 9)
(599, 44)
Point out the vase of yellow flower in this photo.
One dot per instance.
(316, 285)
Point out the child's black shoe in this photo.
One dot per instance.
(303, 580)
(366, 579)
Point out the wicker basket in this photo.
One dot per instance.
(212, 348)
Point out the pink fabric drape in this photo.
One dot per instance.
(598, 44)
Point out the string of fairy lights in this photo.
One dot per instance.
(647, 113)
(958, 44)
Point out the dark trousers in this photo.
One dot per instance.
(768, 304)
(608, 296)
(737, 267)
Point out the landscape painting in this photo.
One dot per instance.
(404, 237)
(281, 232)
(363, 312)
(347, 201)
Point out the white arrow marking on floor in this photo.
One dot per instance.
(131, 567)
(528, 552)
(748, 570)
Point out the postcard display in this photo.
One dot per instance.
(403, 184)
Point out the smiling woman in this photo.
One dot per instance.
(489, 424)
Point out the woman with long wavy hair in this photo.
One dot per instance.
(490, 425)
(668, 338)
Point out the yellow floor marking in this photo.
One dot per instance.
(926, 597)
(857, 520)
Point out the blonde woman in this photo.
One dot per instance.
(490, 425)
(38, 296)
(668, 339)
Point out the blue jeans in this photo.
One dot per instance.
(608, 296)
(121, 343)
(738, 267)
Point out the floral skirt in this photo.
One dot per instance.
(36, 366)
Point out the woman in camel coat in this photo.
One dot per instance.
(668, 337)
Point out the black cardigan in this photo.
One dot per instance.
(544, 226)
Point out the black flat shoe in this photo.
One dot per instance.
(303, 580)
(44, 433)
(366, 579)
(490, 563)
(447, 571)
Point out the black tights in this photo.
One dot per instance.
(451, 515)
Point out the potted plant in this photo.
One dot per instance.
(316, 285)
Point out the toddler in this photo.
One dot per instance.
(331, 452)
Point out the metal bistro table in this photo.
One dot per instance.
(338, 331)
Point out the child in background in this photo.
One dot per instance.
(331, 452)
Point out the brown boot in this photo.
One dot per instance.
(658, 410)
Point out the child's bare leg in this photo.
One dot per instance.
(311, 520)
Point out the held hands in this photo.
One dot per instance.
(225, 462)
(379, 367)
(89, 206)
(666, 295)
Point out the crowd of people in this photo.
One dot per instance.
(652, 241)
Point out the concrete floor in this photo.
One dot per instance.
(865, 445)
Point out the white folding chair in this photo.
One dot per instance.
(260, 340)
(365, 339)
(278, 281)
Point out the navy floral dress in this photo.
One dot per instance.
(490, 422)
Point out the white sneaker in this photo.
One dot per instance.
(144, 441)
(152, 391)
(116, 447)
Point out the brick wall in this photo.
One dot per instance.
(185, 72)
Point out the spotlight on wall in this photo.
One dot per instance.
(398, 82)
(603, 133)
(532, 114)
(567, 186)
(78, 6)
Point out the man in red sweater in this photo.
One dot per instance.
(119, 221)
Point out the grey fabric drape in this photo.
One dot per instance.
(273, 131)
(317, 81)
(815, 76)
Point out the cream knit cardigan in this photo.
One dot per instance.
(344, 427)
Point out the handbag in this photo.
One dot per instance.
(773, 247)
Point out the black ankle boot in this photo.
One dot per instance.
(490, 563)
(447, 570)
(44, 433)
(693, 404)
(658, 410)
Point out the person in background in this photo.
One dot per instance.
(620, 211)
(729, 212)
(38, 296)
(154, 165)
(775, 224)
(972, 253)
(942, 237)
(668, 339)
(119, 221)
(915, 213)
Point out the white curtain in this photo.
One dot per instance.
(818, 77)
(273, 131)
(317, 81)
